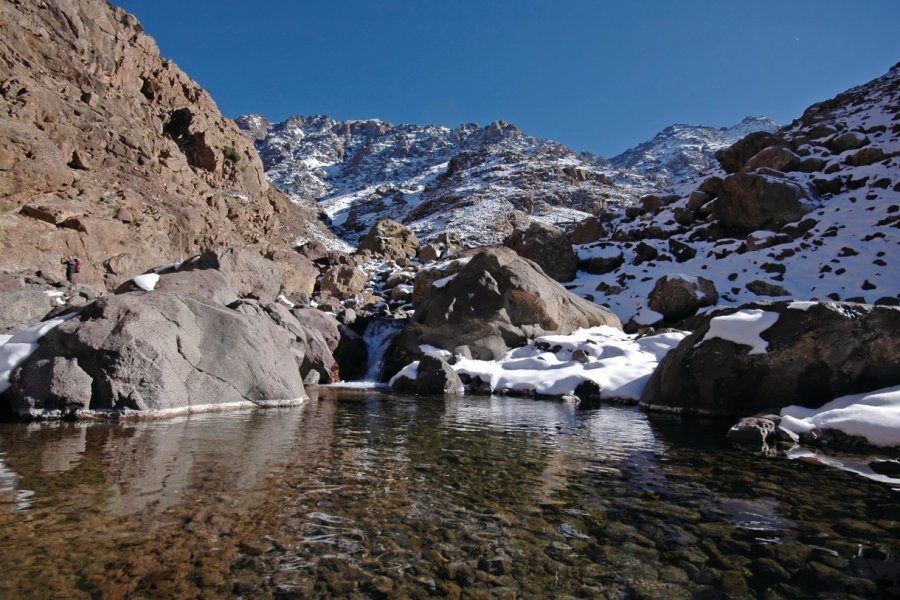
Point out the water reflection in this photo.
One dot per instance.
(365, 493)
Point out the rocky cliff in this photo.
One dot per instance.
(111, 153)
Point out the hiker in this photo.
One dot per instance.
(73, 265)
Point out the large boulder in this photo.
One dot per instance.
(753, 201)
(779, 158)
(765, 356)
(390, 239)
(299, 272)
(679, 296)
(548, 246)
(588, 230)
(733, 158)
(342, 281)
(208, 285)
(311, 341)
(495, 302)
(157, 352)
(433, 377)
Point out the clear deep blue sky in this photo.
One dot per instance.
(595, 75)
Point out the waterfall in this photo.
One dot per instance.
(378, 336)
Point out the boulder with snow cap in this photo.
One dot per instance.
(433, 376)
(764, 356)
(210, 285)
(679, 296)
(496, 301)
(151, 352)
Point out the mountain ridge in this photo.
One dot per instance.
(482, 181)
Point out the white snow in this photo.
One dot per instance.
(804, 306)
(147, 281)
(873, 415)
(619, 363)
(443, 281)
(283, 299)
(16, 348)
(743, 327)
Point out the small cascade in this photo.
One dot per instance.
(378, 335)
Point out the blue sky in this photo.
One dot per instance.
(595, 75)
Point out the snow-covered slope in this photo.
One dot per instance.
(477, 181)
(845, 247)
(480, 182)
(680, 151)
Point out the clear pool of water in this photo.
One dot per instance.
(363, 494)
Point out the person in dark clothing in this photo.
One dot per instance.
(71, 268)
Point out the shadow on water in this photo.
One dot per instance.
(365, 493)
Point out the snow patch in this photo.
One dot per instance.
(620, 364)
(147, 281)
(742, 327)
(874, 416)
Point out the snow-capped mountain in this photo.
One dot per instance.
(480, 182)
(477, 181)
(682, 151)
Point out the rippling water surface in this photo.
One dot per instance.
(361, 494)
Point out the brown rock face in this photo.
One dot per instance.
(95, 125)
(390, 239)
(751, 201)
(735, 156)
(587, 231)
(548, 246)
(679, 296)
(815, 353)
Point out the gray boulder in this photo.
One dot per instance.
(309, 342)
(434, 376)
(495, 302)
(157, 352)
(816, 352)
(252, 275)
